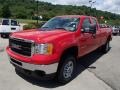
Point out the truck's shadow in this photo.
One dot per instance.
(83, 64)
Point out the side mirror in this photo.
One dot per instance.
(90, 29)
(42, 23)
(93, 28)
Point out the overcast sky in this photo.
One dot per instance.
(106, 5)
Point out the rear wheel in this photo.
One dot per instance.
(4, 36)
(114, 34)
(105, 48)
(66, 69)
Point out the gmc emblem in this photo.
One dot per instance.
(16, 46)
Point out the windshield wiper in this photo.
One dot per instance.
(60, 28)
(44, 27)
(53, 28)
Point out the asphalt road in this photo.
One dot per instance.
(108, 65)
(95, 71)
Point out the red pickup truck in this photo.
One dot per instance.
(56, 46)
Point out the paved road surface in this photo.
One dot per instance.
(98, 72)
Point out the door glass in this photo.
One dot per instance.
(5, 22)
(13, 23)
(86, 23)
(94, 22)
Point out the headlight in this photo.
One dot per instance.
(46, 49)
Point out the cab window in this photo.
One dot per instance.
(14, 23)
(86, 23)
(94, 22)
(5, 22)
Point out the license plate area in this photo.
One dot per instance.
(16, 62)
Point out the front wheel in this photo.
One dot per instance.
(66, 69)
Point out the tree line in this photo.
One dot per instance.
(27, 9)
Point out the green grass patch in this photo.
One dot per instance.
(25, 20)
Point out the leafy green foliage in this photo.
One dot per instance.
(33, 25)
(6, 13)
(27, 9)
(29, 26)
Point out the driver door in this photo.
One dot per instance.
(14, 26)
(87, 41)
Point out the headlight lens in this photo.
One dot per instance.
(44, 49)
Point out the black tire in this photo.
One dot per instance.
(105, 48)
(114, 34)
(66, 76)
(4, 36)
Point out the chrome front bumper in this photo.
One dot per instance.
(48, 69)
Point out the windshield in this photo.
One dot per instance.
(66, 23)
(5, 22)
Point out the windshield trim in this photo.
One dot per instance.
(46, 28)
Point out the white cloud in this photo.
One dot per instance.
(106, 5)
(110, 5)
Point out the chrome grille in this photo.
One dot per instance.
(21, 46)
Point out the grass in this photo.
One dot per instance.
(25, 20)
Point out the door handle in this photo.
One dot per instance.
(13, 28)
(94, 36)
(83, 39)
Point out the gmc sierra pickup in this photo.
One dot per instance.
(56, 46)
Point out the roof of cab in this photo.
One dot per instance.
(74, 16)
(8, 19)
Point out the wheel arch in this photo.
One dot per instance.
(69, 51)
(109, 38)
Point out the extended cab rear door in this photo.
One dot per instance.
(14, 26)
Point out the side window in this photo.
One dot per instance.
(86, 23)
(13, 23)
(5, 22)
(94, 21)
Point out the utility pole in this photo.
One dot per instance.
(37, 11)
(91, 2)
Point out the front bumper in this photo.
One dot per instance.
(48, 69)
(115, 31)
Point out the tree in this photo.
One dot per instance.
(27, 8)
(6, 13)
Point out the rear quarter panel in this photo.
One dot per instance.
(105, 34)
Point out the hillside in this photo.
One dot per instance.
(27, 9)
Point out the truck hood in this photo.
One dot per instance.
(41, 36)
